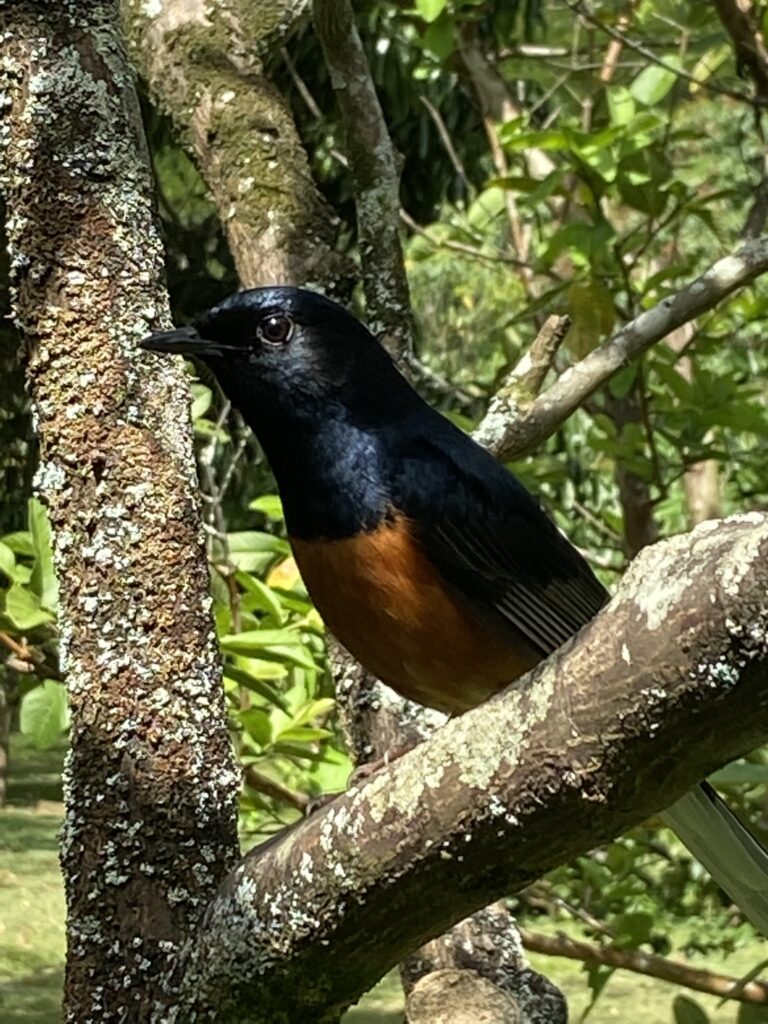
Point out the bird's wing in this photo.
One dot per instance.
(493, 544)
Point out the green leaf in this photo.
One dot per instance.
(43, 577)
(305, 734)
(621, 383)
(748, 416)
(7, 561)
(750, 1013)
(740, 773)
(269, 504)
(262, 596)
(430, 9)
(688, 1011)
(652, 84)
(598, 976)
(19, 542)
(314, 709)
(256, 723)
(22, 607)
(632, 929)
(257, 540)
(590, 306)
(44, 714)
(253, 641)
(440, 38)
(621, 105)
(258, 684)
(201, 400)
(299, 656)
(517, 140)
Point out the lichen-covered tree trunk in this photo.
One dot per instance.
(203, 63)
(150, 787)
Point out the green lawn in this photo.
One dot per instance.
(32, 932)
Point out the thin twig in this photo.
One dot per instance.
(649, 964)
(270, 787)
(301, 85)
(510, 433)
(447, 142)
(580, 8)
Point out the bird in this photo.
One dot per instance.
(425, 556)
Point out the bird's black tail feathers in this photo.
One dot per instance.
(734, 858)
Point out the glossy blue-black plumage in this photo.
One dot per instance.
(353, 445)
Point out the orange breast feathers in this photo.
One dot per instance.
(380, 596)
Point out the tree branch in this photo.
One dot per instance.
(649, 964)
(375, 174)
(510, 431)
(738, 20)
(203, 65)
(667, 683)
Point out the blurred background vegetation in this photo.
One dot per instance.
(579, 159)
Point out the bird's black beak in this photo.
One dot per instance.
(182, 340)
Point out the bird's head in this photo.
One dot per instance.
(280, 350)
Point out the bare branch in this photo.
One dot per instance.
(738, 18)
(375, 174)
(649, 964)
(510, 431)
(611, 729)
(526, 378)
(270, 787)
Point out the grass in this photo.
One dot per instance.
(32, 930)
(31, 897)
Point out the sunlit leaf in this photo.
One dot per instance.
(652, 84)
(254, 640)
(304, 734)
(43, 577)
(314, 709)
(269, 504)
(259, 683)
(7, 561)
(430, 9)
(621, 105)
(22, 607)
(285, 575)
(44, 714)
(20, 542)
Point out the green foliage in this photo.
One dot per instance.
(278, 690)
(28, 603)
(44, 714)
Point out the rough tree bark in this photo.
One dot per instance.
(667, 683)
(150, 784)
(375, 173)
(203, 63)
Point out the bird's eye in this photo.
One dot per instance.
(275, 329)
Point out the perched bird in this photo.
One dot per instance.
(425, 556)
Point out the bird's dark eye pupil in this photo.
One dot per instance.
(276, 328)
